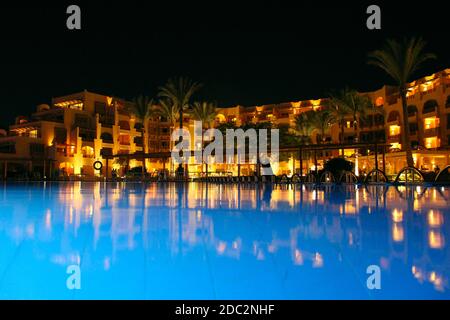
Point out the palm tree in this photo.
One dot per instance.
(178, 92)
(321, 120)
(168, 111)
(400, 60)
(304, 126)
(143, 109)
(340, 112)
(206, 113)
(350, 103)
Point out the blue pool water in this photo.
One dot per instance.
(194, 241)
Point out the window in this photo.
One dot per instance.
(379, 120)
(36, 149)
(412, 110)
(430, 106)
(431, 123)
(432, 143)
(394, 131)
(413, 127)
(124, 125)
(60, 135)
(379, 102)
(33, 133)
(82, 121)
(106, 152)
(107, 137)
(124, 139)
(100, 107)
(138, 126)
(88, 152)
(138, 141)
(8, 147)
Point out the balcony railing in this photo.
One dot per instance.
(394, 138)
(431, 132)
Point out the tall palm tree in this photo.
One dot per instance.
(206, 113)
(321, 121)
(350, 103)
(178, 92)
(340, 112)
(143, 109)
(304, 126)
(400, 60)
(170, 112)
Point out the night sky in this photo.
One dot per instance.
(244, 53)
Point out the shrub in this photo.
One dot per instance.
(337, 165)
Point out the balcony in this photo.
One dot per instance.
(124, 125)
(394, 138)
(107, 121)
(431, 132)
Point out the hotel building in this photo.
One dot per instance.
(66, 137)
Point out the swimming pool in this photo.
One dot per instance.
(198, 241)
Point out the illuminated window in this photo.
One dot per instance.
(87, 152)
(431, 123)
(432, 143)
(394, 130)
(379, 102)
(33, 134)
(349, 124)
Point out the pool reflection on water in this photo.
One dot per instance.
(198, 241)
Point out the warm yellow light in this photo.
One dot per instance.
(431, 123)
(432, 143)
(435, 218)
(394, 130)
(435, 240)
(397, 215)
(396, 146)
(398, 233)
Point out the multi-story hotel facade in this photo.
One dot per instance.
(67, 136)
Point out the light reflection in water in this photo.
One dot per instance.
(283, 234)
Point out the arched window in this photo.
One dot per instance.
(88, 152)
(124, 125)
(430, 106)
(393, 116)
(412, 110)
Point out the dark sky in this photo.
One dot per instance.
(244, 52)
